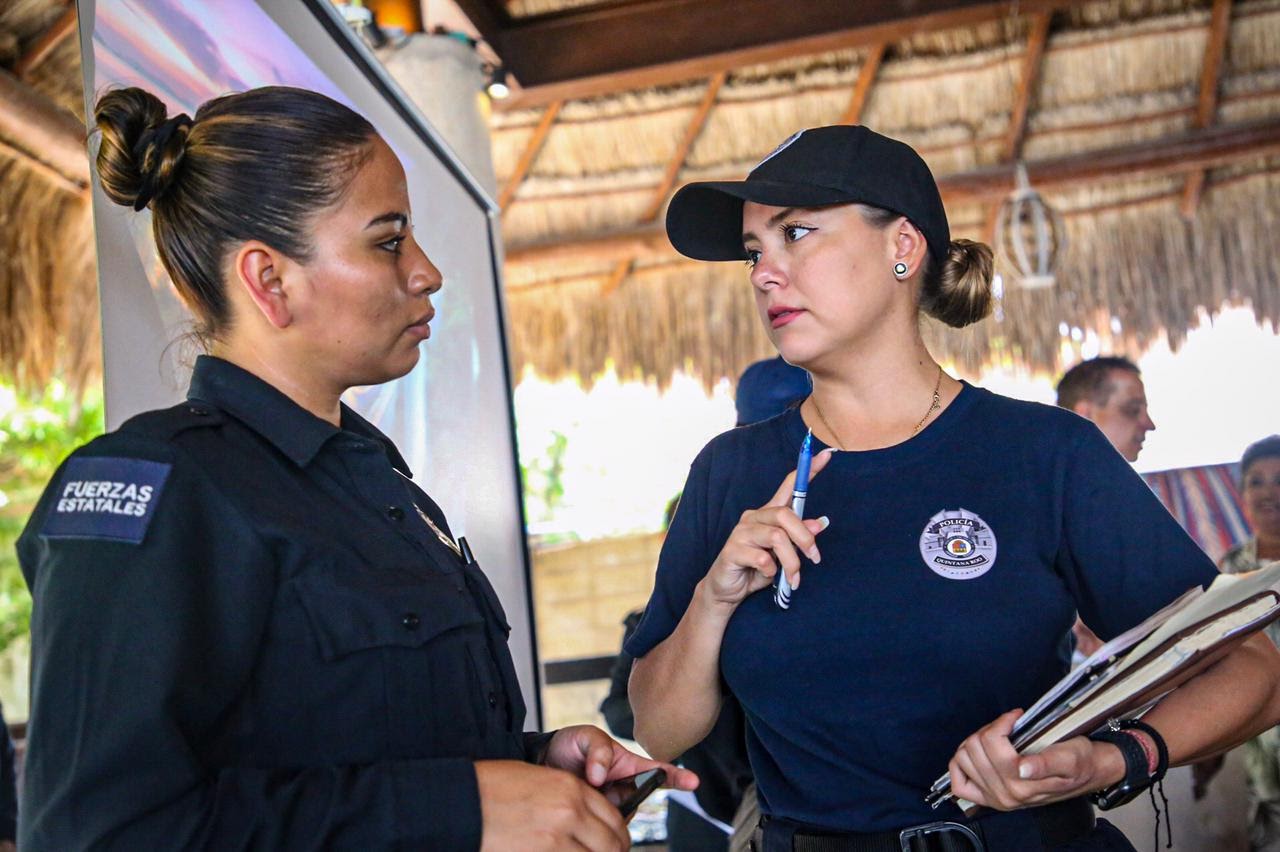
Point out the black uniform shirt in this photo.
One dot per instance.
(246, 636)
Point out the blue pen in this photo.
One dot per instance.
(782, 594)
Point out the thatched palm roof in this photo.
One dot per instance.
(1089, 94)
(48, 295)
(1145, 253)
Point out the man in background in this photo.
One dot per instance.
(1108, 390)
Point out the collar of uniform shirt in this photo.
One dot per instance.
(293, 430)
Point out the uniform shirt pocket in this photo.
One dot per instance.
(413, 651)
(346, 620)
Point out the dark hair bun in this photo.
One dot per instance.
(204, 181)
(141, 147)
(962, 294)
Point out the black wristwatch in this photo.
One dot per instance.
(1137, 776)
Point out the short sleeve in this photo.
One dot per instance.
(686, 557)
(1122, 554)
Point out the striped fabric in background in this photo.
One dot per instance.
(1206, 501)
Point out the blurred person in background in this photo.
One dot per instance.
(1108, 391)
(726, 797)
(1260, 494)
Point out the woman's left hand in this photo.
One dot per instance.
(988, 771)
(597, 758)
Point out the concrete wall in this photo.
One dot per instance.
(581, 593)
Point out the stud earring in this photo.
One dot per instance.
(900, 270)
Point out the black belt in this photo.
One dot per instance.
(1056, 824)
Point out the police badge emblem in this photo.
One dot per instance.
(958, 545)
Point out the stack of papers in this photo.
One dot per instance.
(1131, 673)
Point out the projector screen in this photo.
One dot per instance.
(451, 416)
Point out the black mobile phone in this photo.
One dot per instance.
(628, 793)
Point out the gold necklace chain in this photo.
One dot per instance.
(934, 405)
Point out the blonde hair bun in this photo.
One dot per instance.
(963, 294)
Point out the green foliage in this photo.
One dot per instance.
(36, 434)
(543, 484)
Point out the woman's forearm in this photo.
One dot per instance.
(1235, 699)
(675, 688)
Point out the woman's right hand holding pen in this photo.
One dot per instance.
(765, 541)
(675, 688)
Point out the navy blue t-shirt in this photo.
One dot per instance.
(951, 574)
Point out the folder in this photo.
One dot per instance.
(1130, 674)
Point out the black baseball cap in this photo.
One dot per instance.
(839, 164)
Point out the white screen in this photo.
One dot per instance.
(451, 416)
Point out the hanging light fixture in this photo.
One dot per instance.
(1030, 234)
(497, 86)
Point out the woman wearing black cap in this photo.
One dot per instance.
(948, 544)
(252, 629)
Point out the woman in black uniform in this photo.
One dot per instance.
(252, 630)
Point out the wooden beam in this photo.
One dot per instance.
(732, 171)
(48, 172)
(490, 17)
(529, 155)
(647, 240)
(676, 260)
(862, 88)
(1196, 149)
(1191, 193)
(616, 277)
(48, 40)
(660, 42)
(691, 133)
(42, 131)
(1028, 84)
(1215, 51)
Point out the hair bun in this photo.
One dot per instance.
(160, 151)
(141, 148)
(963, 292)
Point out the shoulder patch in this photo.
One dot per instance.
(107, 498)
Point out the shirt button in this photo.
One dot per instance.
(410, 621)
(395, 513)
(493, 699)
(198, 410)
